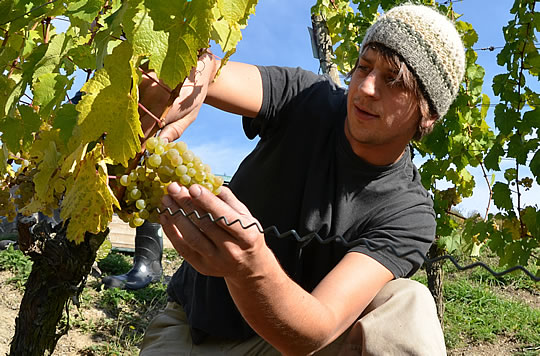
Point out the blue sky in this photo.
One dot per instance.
(277, 35)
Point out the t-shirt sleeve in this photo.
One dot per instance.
(282, 87)
(401, 236)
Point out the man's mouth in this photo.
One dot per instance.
(364, 113)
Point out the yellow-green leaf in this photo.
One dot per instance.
(110, 106)
(89, 202)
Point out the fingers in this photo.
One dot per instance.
(185, 235)
(228, 197)
(227, 206)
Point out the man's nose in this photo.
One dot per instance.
(369, 86)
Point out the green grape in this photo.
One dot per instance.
(218, 181)
(147, 183)
(165, 171)
(181, 147)
(154, 160)
(200, 176)
(185, 180)
(181, 170)
(140, 204)
(188, 156)
(144, 214)
(138, 221)
(133, 176)
(135, 194)
(124, 180)
(151, 143)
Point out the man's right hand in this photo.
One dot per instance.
(186, 105)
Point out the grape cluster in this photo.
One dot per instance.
(163, 164)
(7, 205)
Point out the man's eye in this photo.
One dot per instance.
(362, 68)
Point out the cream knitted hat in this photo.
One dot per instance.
(429, 44)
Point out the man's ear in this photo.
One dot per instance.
(428, 123)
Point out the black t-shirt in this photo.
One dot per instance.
(304, 176)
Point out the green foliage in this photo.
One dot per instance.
(475, 312)
(16, 262)
(463, 139)
(109, 40)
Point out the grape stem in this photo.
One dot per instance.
(158, 121)
(120, 190)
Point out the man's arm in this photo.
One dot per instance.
(279, 310)
(237, 89)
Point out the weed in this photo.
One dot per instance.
(17, 263)
(115, 263)
(474, 312)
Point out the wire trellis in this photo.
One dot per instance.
(338, 238)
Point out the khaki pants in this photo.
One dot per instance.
(401, 320)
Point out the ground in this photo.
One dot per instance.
(112, 322)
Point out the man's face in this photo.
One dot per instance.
(382, 116)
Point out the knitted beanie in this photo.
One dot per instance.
(429, 44)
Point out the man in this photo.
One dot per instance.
(331, 162)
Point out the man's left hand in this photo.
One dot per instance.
(213, 248)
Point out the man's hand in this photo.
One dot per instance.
(186, 105)
(213, 249)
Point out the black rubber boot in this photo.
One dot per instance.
(146, 262)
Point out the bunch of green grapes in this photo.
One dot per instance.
(163, 164)
(7, 205)
(25, 190)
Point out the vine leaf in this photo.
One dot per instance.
(20, 129)
(49, 91)
(188, 26)
(146, 41)
(231, 17)
(502, 197)
(3, 160)
(110, 106)
(89, 201)
(46, 149)
(535, 166)
(65, 121)
(84, 10)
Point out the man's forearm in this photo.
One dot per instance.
(281, 312)
(236, 89)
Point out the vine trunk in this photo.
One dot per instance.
(59, 272)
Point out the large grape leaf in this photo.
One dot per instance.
(110, 106)
(20, 129)
(188, 25)
(58, 46)
(6, 87)
(50, 91)
(3, 160)
(65, 121)
(231, 17)
(85, 10)
(236, 11)
(89, 202)
(139, 29)
(46, 152)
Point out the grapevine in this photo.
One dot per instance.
(71, 149)
(463, 139)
